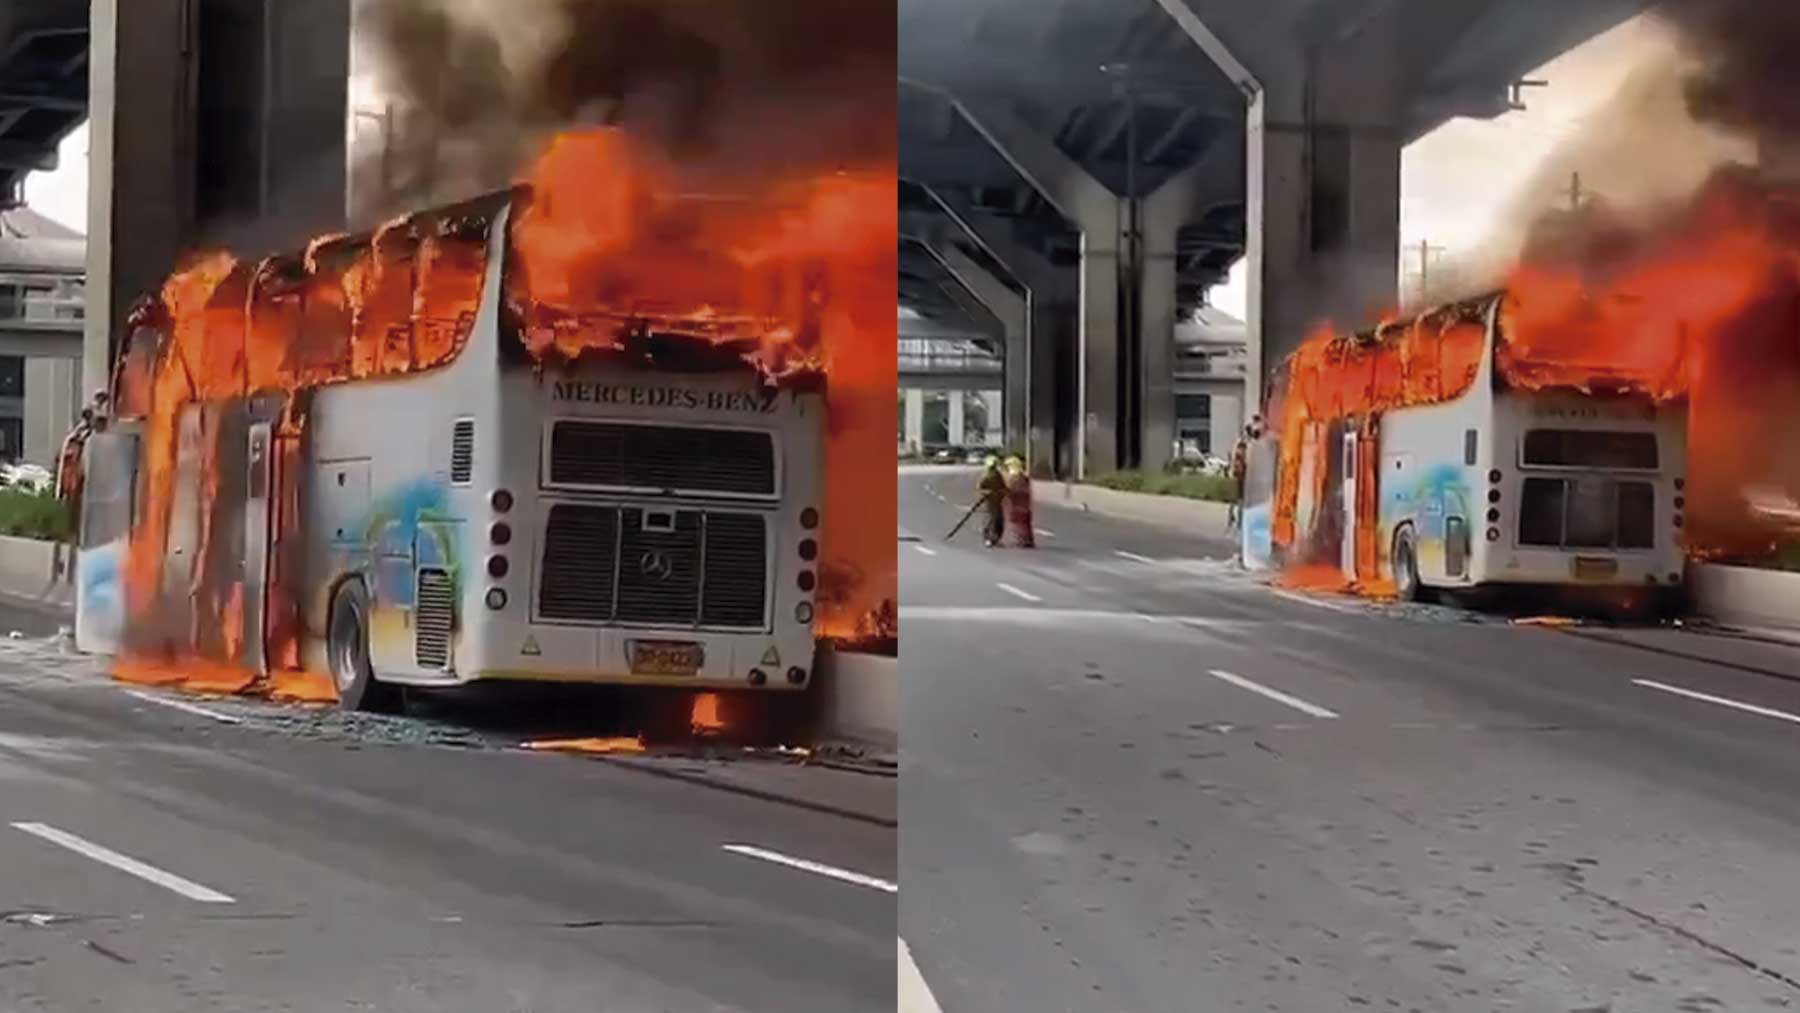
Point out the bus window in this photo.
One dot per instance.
(1541, 513)
(1590, 448)
(273, 326)
(383, 294)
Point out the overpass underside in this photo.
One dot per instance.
(1077, 173)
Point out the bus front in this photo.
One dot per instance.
(657, 527)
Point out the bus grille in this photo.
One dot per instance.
(684, 459)
(434, 614)
(606, 563)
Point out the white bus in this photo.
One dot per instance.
(649, 517)
(1497, 485)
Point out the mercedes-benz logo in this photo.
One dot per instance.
(655, 565)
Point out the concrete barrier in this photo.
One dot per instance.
(1200, 518)
(1745, 596)
(857, 697)
(42, 572)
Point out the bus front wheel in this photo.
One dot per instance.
(351, 670)
(1405, 562)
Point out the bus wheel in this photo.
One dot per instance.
(354, 676)
(1405, 563)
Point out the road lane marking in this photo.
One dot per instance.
(1134, 557)
(1274, 694)
(1046, 532)
(1015, 592)
(125, 863)
(1329, 606)
(924, 550)
(913, 994)
(817, 868)
(1767, 712)
(183, 705)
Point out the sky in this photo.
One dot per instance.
(1454, 181)
(1457, 180)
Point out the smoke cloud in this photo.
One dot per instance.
(746, 87)
(1747, 77)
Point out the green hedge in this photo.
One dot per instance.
(1214, 488)
(27, 513)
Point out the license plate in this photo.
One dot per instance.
(1593, 568)
(660, 657)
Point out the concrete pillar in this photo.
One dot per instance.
(1323, 136)
(1095, 211)
(1226, 422)
(1180, 201)
(997, 434)
(1010, 308)
(956, 418)
(915, 420)
(52, 400)
(141, 119)
(1047, 295)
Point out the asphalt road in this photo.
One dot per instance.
(1133, 778)
(165, 859)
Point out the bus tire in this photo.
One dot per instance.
(351, 671)
(1404, 559)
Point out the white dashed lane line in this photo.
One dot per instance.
(1134, 557)
(816, 868)
(125, 863)
(1016, 593)
(184, 706)
(913, 995)
(1274, 694)
(1748, 708)
(924, 550)
(1046, 533)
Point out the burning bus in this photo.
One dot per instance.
(419, 457)
(1433, 454)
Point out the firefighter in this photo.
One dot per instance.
(1240, 467)
(993, 498)
(1018, 503)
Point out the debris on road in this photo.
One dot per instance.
(617, 744)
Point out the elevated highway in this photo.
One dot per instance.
(1108, 162)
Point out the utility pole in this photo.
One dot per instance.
(1575, 192)
(1426, 250)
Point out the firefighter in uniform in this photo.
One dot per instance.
(992, 488)
(1018, 503)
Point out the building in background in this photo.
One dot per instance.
(1211, 354)
(42, 313)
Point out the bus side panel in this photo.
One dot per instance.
(382, 507)
(1427, 482)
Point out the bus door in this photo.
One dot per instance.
(1362, 500)
(1348, 471)
(258, 509)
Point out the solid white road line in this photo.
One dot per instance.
(1749, 708)
(125, 863)
(1274, 694)
(183, 705)
(750, 851)
(1318, 603)
(913, 994)
(1016, 593)
(924, 550)
(1134, 557)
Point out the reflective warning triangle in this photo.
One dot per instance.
(771, 656)
(531, 646)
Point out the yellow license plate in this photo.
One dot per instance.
(658, 657)
(1592, 568)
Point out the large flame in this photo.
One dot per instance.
(1702, 304)
(791, 275)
